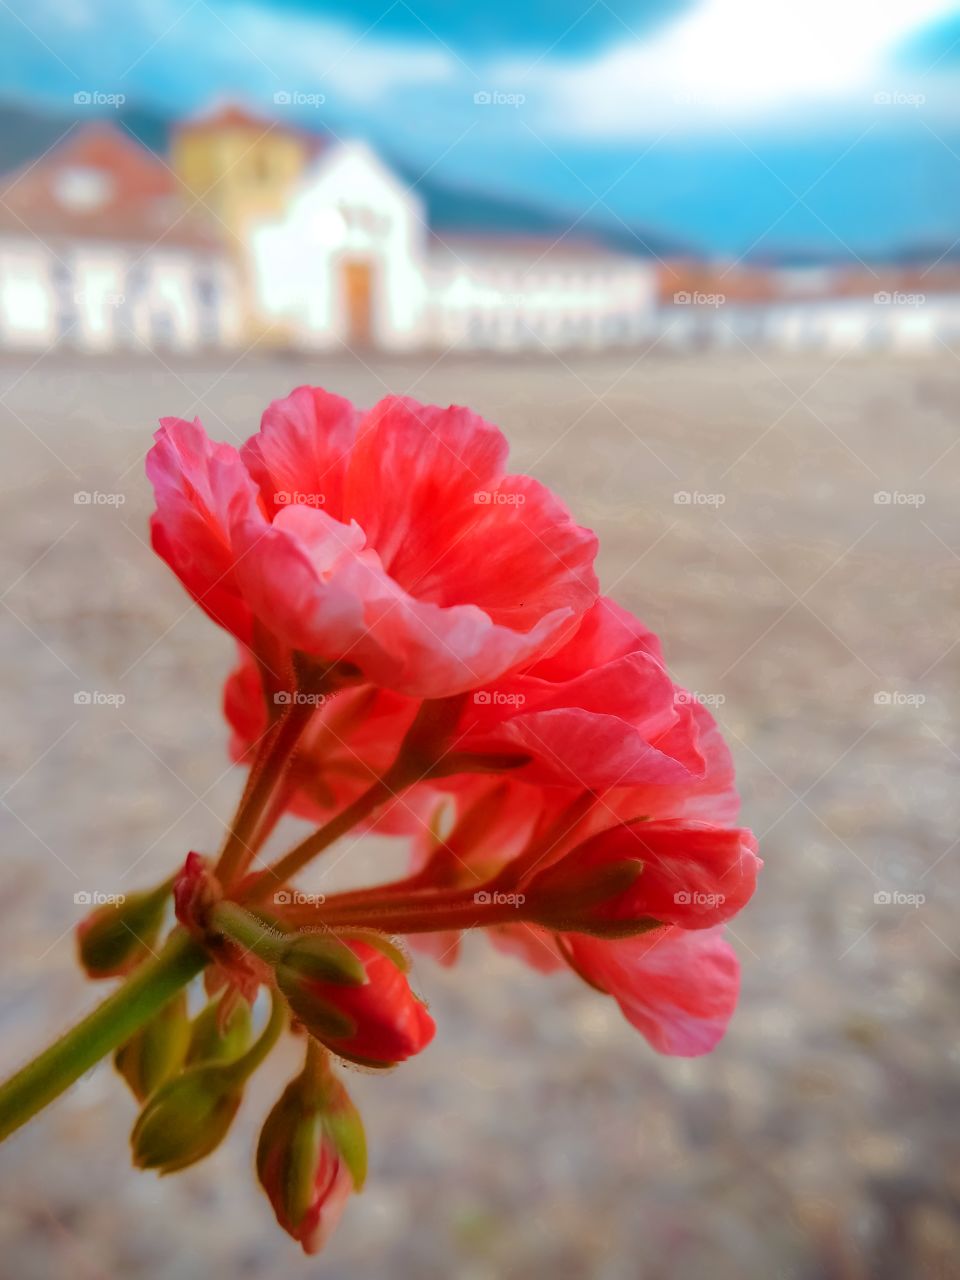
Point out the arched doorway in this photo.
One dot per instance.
(357, 286)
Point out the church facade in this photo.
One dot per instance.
(254, 233)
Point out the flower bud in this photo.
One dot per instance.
(310, 1157)
(631, 876)
(187, 1117)
(353, 996)
(219, 1034)
(115, 938)
(156, 1052)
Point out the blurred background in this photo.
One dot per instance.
(701, 262)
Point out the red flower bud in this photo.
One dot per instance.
(353, 996)
(692, 876)
(311, 1156)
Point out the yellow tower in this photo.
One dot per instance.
(242, 170)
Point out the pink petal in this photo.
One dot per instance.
(202, 491)
(302, 449)
(679, 989)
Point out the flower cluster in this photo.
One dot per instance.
(423, 650)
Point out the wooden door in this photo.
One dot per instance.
(358, 300)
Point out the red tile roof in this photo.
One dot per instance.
(99, 183)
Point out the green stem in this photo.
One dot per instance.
(112, 1023)
(250, 932)
(245, 1066)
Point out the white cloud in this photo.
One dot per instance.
(358, 67)
(730, 57)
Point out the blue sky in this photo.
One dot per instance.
(740, 126)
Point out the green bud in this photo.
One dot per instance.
(157, 1051)
(115, 938)
(323, 957)
(187, 1118)
(211, 1042)
(316, 1012)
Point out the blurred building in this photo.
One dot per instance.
(98, 250)
(814, 308)
(257, 233)
(260, 233)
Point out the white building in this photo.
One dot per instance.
(346, 263)
(898, 310)
(352, 262)
(536, 293)
(98, 251)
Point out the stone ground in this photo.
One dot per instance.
(539, 1136)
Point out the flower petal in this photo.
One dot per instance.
(202, 491)
(679, 989)
(302, 450)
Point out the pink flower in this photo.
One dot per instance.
(679, 989)
(600, 711)
(392, 543)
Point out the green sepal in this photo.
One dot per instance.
(345, 1127)
(321, 956)
(318, 1015)
(187, 1118)
(157, 1051)
(211, 1042)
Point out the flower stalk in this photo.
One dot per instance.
(113, 1022)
